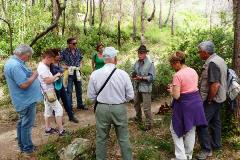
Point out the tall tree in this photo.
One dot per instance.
(93, 12)
(169, 13)
(119, 22)
(101, 10)
(53, 25)
(90, 12)
(236, 55)
(173, 17)
(160, 21)
(9, 24)
(33, 2)
(134, 34)
(142, 22)
(55, 11)
(85, 20)
(153, 12)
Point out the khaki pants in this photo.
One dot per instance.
(145, 99)
(116, 115)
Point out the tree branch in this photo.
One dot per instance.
(53, 25)
(10, 33)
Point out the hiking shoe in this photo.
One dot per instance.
(62, 133)
(74, 120)
(51, 131)
(203, 155)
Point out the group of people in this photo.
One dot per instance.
(194, 108)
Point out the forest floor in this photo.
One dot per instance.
(153, 145)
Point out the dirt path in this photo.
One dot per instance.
(8, 143)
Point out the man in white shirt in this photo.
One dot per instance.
(46, 80)
(111, 108)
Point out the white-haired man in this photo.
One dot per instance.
(111, 108)
(213, 89)
(24, 89)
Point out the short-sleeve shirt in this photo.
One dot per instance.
(71, 59)
(186, 79)
(214, 74)
(99, 62)
(44, 72)
(17, 73)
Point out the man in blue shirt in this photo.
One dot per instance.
(72, 58)
(25, 91)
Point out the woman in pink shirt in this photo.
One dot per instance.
(188, 109)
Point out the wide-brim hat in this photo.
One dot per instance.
(142, 48)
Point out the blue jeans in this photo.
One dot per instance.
(65, 100)
(212, 140)
(24, 128)
(72, 79)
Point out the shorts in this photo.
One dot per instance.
(50, 107)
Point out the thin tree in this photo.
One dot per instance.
(93, 12)
(119, 22)
(160, 21)
(101, 9)
(153, 12)
(169, 13)
(85, 20)
(55, 13)
(142, 22)
(9, 24)
(53, 25)
(236, 54)
(134, 34)
(173, 17)
(90, 12)
(64, 22)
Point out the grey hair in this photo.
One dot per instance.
(23, 49)
(105, 58)
(207, 46)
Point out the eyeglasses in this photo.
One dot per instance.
(73, 43)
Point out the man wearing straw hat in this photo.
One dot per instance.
(143, 75)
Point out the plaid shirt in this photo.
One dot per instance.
(71, 59)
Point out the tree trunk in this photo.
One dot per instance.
(53, 25)
(10, 30)
(93, 14)
(101, 18)
(173, 16)
(160, 21)
(236, 56)
(119, 23)
(55, 11)
(85, 21)
(33, 2)
(153, 12)
(90, 12)
(64, 22)
(211, 15)
(142, 22)
(134, 34)
(169, 13)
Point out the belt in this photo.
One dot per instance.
(110, 104)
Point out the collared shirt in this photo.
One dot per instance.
(17, 73)
(118, 89)
(71, 59)
(144, 68)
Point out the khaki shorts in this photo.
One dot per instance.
(50, 107)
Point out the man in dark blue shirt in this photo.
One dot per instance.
(72, 58)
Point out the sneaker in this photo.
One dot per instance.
(51, 131)
(74, 120)
(62, 133)
(203, 155)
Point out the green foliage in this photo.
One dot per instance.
(147, 153)
(48, 152)
(188, 40)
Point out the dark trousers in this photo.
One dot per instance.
(65, 100)
(210, 136)
(72, 79)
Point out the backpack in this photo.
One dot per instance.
(233, 89)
